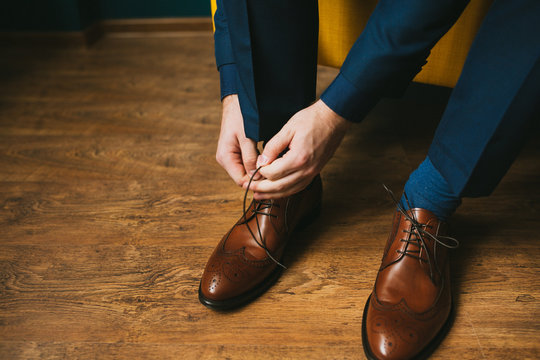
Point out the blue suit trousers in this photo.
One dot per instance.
(273, 45)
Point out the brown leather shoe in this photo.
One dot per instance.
(409, 311)
(246, 261)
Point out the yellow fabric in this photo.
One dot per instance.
(340, 24)
(341, 21)
(213, 7)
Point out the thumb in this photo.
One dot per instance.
(249, 155)
(274, 147)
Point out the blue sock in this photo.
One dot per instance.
(427, 189)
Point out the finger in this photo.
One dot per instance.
(289, 163)
(237, 173)
(285, 193)
(249, 151)
(275, 146)
(278, 186)
(234, 166)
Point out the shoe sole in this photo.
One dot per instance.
(426, 351)
(233, 303)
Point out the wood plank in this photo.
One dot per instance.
(111, 202)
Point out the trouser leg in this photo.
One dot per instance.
(275, 44)
(494, 103)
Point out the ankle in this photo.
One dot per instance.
(427, 189)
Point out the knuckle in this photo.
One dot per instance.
(280, 187)
(302, 159)
(250, 158)
(245, 141)
(310, 172)
(269, 176)
(219, 158)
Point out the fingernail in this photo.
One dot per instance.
(262, 160)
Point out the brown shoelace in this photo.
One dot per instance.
(259, 207)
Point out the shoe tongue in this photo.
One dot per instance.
(264, 219)
(403, 275)
(423, 216)
(401, 229)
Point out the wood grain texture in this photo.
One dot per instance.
(111, 202)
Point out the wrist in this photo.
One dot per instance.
(329, 115)
(227, 100)
(230, 103)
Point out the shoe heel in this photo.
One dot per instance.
(309, 218)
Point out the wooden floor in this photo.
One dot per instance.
(111, 202)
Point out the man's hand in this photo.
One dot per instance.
(235, 152)
(311, 136)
